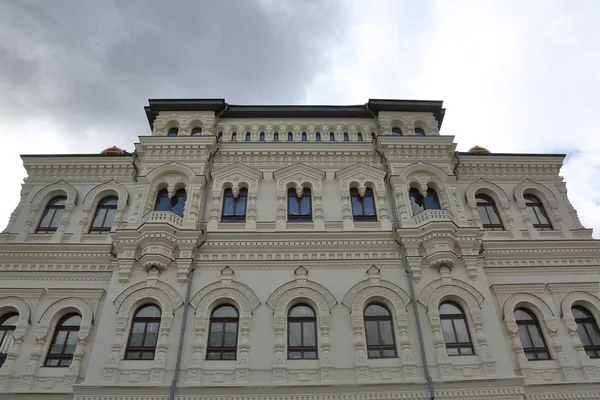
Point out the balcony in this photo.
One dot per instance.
(432, 216)
(164, 217)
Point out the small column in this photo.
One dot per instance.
(281, 210)
(251, 213)
(111, 369)
(215, 214)
(533, 233)
(444, 364)
(489, 365)
(279, 368)
(319, 216)
(242, 369)
(383, 213)
(195, 366)
(347, 214)
(409, 366)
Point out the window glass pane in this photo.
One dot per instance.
(240, 207)
(71, 343)
(318, 138)
(385, 330)
(110, 217)
(389, 353)
(524, 336)
(58, 214)
(295, 334)
(151, 334)
(149, 311)
(52, 362)
(230, 334)
(132, 355)
(48, 214)
(147, 355)
(302, 311)
(372, 333)
(532, 214)
(542, 216)
(449, 309)
(310, 355)
(137, 334)
(11, 321)
(522, 315)
(99, 218)
(461, 331)
(216, 334)
(228, 205)
(431, 201)
(376, 310)
(467, 351)
(543, 355)
(369, 205)
(583, 335)
(295, 355)
(309, 334)
(225, 312)
(293, 204)
(483, 215)
(7, 341)
(494, 217)
(163, 203)
(416, 201)
(579, 312)
(305, 206)
(357, 206)
(178, 202)
(448, 331)
(592, 329)
(229, 355)
(452, 351)
(212, 355)
(536, 336)
(374, 354)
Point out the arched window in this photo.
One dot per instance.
(261, 137)
(346, 138)
(143, 336)
(173, 132)
(302, 333)
(318, 137)
(488, 213)
(290, 137)
(105, 215)
(197, 131)
(396, 132)
(64, 341)
(455, 330)
(234, 209)
(175, 204)
(420, 204)
(223, 333)
(248, 136)
(588, 331)
(537, 213)
(304, 138)
(276, 137)
(331, 137)
(373, 137)
(419, 132)
(234, 137)
(7, 326)
(220, 137)
(530, 333)
(359, 137)
(380, 332)
(299, 208)
(53, 213)
(363, 207)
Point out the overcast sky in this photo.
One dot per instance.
(515, 76)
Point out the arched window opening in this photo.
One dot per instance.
(234, 209)
(381, 342)
(53, 213)
(175, 204)
(248, 136)
(318, 137)
(105, 215)
(346, 138)
(223, 334)
(234, 137)
(290, 137)
(143, 336)
(302, 333)
(64, 342)
(331, 137)
(419, 132)
(8, 324)
(359, 137)
(276, 137)
(299, 208)
(304, 138)
(396, 132)
(420, 203)
(537, 213)
(588, 331)
(530, 333)
(455, 330)
(220, 137)
(488, 213)
(373, 138)
(363, 207)
(173, 132)
(261, 138)
(197, 131)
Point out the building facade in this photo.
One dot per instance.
(297, 253)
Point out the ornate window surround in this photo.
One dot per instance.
(226, 291)
(408, 122)
(93, 197)
(499, 196)
(511, 297)
(547, 197)
(21, 301)
(362, 176)
(470, 299)
(235, 176)
(60, 188)
(302, 290)
(153, 292)
(300, 176)
(63, 301)
(373, 290)
(184, 122)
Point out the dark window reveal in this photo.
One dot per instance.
(144, 333)
(588, 331)
(302, 333)
(223, 334)
(420, 204)
(175, 204)
(318, 137)
(64, 342)
(197, 132)
(261, 138)
(381, 342)
(396, 132)
(52, 215)
(234, 209)
(419, 132)
(488, 213)
(537, 213)
(331, 137)
(359, 137)
(304, 138)
(530, 333)
(7, 326)
(455, 330)
(173, 132)
(363, 207)
(105, 215)
(299, 208)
